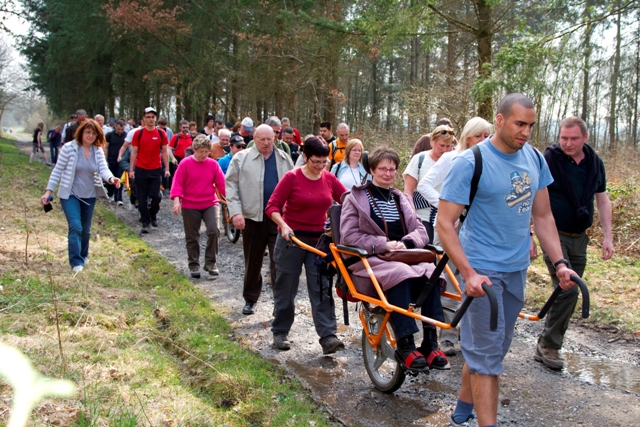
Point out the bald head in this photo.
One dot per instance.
(263, 130)
(343, 133)
(263, 138)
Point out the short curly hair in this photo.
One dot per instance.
(201, 141)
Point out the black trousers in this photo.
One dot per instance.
(114, 167)
(148, 188)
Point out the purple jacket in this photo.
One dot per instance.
(358, 229)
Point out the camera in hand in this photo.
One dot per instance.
(48, 207)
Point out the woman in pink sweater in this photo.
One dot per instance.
(299, 206)
(194, 193)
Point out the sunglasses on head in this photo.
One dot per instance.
(444, 132)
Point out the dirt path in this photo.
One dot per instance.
(601, 385)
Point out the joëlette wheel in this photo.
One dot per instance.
(382, 368)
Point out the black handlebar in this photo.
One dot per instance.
(585, 298)
(493, 303)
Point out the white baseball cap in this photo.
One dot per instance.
(247, 123)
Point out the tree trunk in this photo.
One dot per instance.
(484, 38)
(390, 96)
(635, 90)
(587, 55)
(613, 114)
(415, 45)
(374, 84)
(451, 54)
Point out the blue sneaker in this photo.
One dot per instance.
(464, 423)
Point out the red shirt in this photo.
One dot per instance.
(180, 142)
(303, 201)
(149, 147)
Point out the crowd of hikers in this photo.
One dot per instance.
(277, 184)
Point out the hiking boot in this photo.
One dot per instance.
(212, 269)
(448, 348)
(154, 222)
(280, 342)
(331, 344)
(248, 308)
(144, 229)
(195, 271)
(550, 357)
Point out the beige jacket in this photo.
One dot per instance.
(245, 179)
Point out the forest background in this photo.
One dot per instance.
(378, 65)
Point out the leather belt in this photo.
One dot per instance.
(574, 235)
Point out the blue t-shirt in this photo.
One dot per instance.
(495, 234)
(224, 162)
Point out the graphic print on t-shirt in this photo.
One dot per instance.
(520, 191)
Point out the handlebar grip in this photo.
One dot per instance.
(461, 311)
(547, 305)
(586, 301)
(493, 303)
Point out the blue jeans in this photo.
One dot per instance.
(79, 213)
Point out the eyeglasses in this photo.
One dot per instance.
(444, 132)
(240, 146)
(277, 132)
(385, 170)
(319, 162)
(90, 132)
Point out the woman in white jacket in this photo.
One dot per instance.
(476, 130)
(80, 169)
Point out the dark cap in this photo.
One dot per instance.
(236, 139)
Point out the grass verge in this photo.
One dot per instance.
(144, 346)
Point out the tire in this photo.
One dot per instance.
(382, 368)
(232, 233)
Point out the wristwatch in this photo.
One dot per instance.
(561, 261)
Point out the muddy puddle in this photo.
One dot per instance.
(602, 371)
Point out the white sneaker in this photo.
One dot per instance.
(78, 268)
(120, 203)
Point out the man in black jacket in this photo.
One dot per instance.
(578, 177)
(70, 132)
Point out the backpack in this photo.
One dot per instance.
(334, 148)
(419, 202)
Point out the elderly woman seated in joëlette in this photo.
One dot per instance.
(379, 218)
